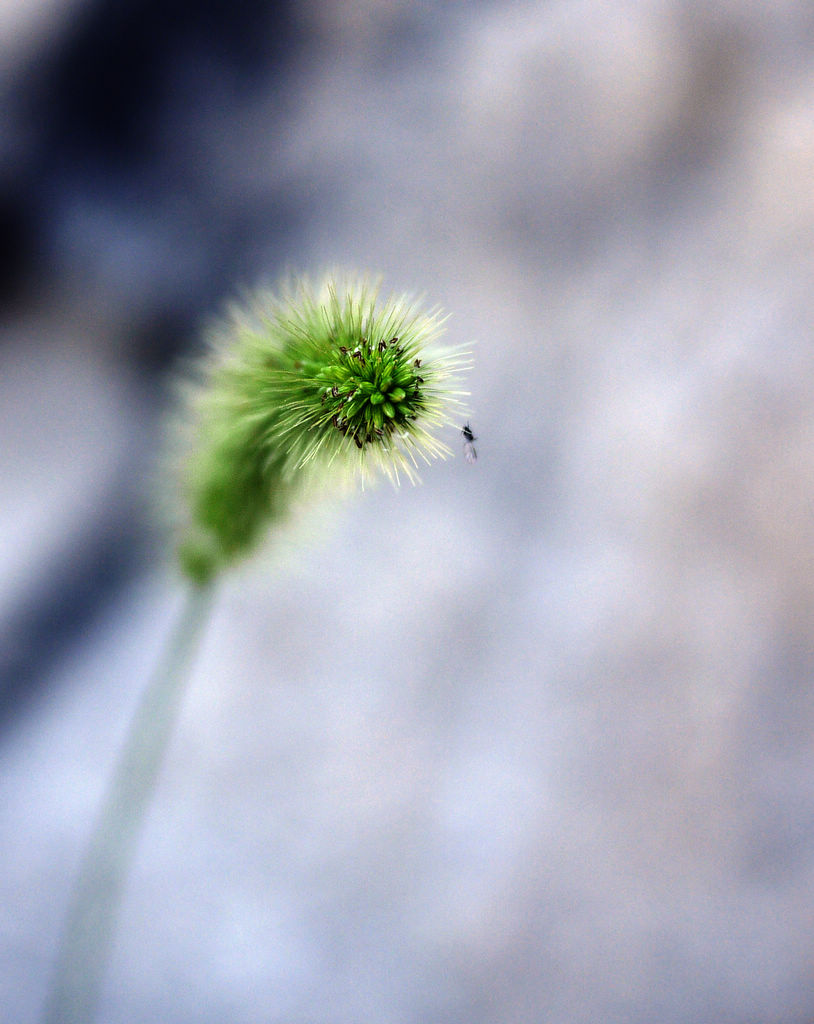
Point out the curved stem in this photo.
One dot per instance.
(86, 941)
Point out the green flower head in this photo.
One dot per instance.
(313, 379)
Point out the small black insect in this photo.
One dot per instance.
(470, 454)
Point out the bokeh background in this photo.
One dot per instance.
(532, 742)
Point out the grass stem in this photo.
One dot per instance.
(87, 939)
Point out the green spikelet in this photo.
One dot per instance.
(313, 379)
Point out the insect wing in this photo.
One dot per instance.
(470, 454)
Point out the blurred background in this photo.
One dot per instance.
(533, 741)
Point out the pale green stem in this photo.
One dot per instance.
(87, 939)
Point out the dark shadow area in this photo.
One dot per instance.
(97, 153)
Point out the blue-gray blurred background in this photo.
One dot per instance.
(533, 742)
